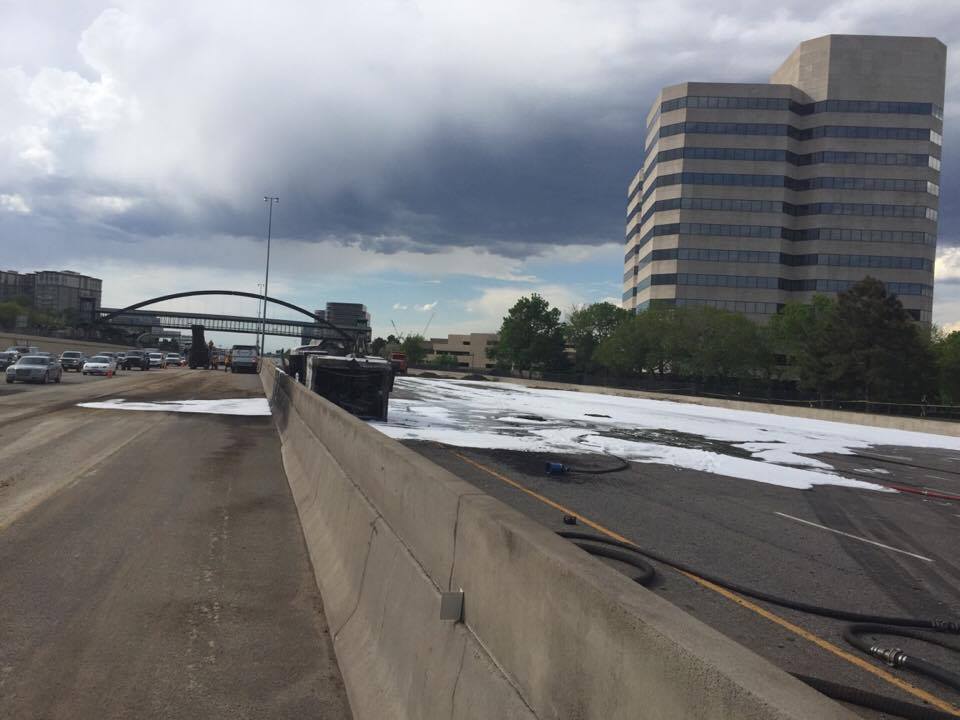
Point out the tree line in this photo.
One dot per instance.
(861, 345)
(21, 310)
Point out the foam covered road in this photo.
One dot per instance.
(152, 563)
(729, 526)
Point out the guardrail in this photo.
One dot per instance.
(544, 630)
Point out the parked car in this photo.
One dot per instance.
(35, 368)
(173, 360)
(121, 356)
(8, 358)
(244, 358)
(157, 360)
(100, 365)
(24, 349)
(72, 360)
(136, 359)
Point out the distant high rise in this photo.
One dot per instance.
(345, 315)
(753, 195)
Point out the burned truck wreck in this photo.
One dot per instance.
(339, 370)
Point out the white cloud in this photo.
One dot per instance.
(426, 307)
(948, 263)
(14, 204)
(487, 311)
(111, 204)
(117, 119)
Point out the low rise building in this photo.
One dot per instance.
(470, 351)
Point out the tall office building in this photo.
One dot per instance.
(350, 316)
(754, 195)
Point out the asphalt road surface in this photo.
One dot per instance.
(152, 563)
(760, 535)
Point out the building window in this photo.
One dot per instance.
(787, 284)
(836, 157)
(790, 183)
(786, 104)
(784, 130)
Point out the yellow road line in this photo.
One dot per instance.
(743, 602)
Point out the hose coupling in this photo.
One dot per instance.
(894, 657)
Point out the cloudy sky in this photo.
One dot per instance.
(434, 158)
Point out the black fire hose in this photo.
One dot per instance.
(875, 624)
(873, 701)
(947, 626)
(895, 657)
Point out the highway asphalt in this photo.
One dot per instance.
(783, 541)
(152, 564)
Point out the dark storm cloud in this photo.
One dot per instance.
(383, 124)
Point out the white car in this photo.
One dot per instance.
(173, 360)
(100, 365)
(157, 360)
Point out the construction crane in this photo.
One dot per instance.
(427, 326)
(396, 330)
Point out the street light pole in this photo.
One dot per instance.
(271, 201)
(259, 305)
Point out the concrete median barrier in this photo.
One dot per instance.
(546, 631)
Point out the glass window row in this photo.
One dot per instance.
(692, 127)
(786, 104)
(779, 258)
(777, 206)
(790, 183)
(778, 232)
(757, 308)
(815, 158)
(741, 306)
(779, 283)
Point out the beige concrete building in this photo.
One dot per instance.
(754, 195)
(54, 291)
(469, 350)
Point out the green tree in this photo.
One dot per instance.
(531, 336)
(705, 343)
(588, 326)
(9, 312)
(948, 365)
(632, 347)
(799, 333)
(377, 346)
(444, 361)
(873, 350)
(416, 348)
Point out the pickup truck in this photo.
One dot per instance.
(136, 359)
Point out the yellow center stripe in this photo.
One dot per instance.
(743, 602)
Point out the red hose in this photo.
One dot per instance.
(921, 491)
